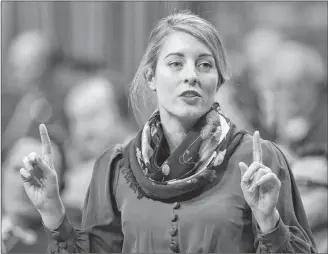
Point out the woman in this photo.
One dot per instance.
(182, 184)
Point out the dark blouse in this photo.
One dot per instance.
(217, 219)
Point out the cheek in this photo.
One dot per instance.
(209, 84)
(166, 82)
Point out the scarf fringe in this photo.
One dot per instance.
(207, 176)
(132, 182)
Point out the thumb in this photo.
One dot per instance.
(243, 168)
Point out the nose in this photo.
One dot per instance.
(190, 75)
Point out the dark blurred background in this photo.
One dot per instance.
(68, 65)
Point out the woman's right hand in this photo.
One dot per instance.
(41, 183)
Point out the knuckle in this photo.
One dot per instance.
(262, 172)
(259, 164)
(34, 154)
(256, 164)
(253, 165)
(31, 156)
(267, 170)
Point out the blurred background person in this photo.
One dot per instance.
(299, 88)
(282, 89)
(22, 229)
(253, 95)
(310, 173)
(31, 96)
(95, 124)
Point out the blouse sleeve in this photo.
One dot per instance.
(101, 221)
(292, 233)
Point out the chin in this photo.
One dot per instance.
(189, 112)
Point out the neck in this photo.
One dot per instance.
(175, 130)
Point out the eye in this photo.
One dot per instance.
(205, 66)
(175, 64)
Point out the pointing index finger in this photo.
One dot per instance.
(257, 149)
(46, 144)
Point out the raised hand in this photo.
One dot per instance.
(40, 180)
(260, 187)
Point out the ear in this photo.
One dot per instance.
(150, 79)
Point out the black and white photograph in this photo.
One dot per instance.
(164, 127)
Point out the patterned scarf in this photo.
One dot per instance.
(152, 171)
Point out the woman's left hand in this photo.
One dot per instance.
(261, 188)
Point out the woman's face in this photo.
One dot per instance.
(182, 60)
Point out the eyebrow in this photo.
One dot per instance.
(174, 54)
(181, 54)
